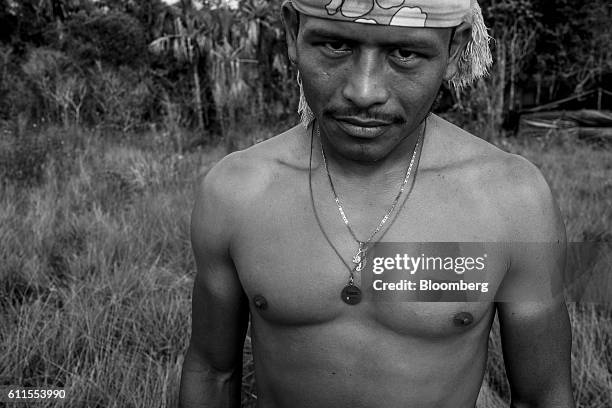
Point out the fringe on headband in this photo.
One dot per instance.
(306, 115)
(476, 59)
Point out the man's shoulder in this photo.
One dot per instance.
(245, 174)
(461, 152)
(514, 185)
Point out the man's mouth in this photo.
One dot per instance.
(362, 127)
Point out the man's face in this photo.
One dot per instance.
(369, 86)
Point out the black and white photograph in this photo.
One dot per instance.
(306, 203)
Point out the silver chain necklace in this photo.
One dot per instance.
(360, 258)
(351, 294)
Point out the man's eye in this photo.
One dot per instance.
(405, 55)
(336, 46)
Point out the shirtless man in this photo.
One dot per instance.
(261, 252)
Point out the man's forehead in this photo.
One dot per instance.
(317, 28)
(401, 13)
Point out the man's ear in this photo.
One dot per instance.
(461, 37)
(291, 21)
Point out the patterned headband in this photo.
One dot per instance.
(404, 13)
(476, 58)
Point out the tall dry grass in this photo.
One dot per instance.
(96, 269)
(95, 275)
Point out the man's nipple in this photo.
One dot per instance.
(463, 319)
(260, 302)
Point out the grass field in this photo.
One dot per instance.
(96, 268)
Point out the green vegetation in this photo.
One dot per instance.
(96, 268)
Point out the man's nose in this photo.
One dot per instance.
(365, 85)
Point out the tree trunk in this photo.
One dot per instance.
(501, 86)
(230, 131)
(514, 60)
(65, 116)
(197, 94)
(538, 89)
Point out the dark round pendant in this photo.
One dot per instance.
(351, 295)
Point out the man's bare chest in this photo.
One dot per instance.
(299, 262)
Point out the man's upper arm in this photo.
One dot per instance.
(535, 330)
(219, 305)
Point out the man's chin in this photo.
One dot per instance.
(364, 151)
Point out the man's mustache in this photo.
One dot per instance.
(364, 114)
